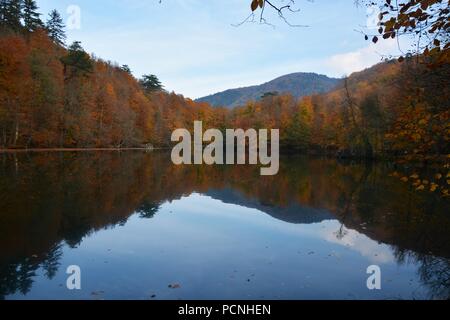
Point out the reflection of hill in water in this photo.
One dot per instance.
(50, 198)
(292, 213)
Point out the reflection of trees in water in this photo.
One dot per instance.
(51, 261)
(434, 272)
(148, 210)
(416, 225)
(71, 197)
(18, 276)
(347, 199)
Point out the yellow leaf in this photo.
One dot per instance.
(404, 179)
(414, 176)
(438, 176)
(420, 188)
(433, 187)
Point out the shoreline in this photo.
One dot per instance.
(35, 150)
(438, 160)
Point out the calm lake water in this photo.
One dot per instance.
(136, 224)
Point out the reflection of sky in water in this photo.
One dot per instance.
(223, 251)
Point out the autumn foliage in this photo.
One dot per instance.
(56, 97)
(53, 96)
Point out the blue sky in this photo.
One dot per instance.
(193, 47)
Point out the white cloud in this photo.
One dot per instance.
(349, 62)
(375, 252)
(337, 65)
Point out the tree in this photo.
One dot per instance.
(425, 21)
(3, 8)
(298, 133)
(15, 93)
(11, 13)
(150, 83)
(126, 68)
(269, 94)
(77, 62)
(30, 16)
(55, 28)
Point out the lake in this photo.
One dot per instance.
(140, 227)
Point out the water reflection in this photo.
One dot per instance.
(51, 204)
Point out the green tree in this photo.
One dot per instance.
(126, 69)
(77, 62)
(298, 133)
(11, 13)
(3, 8)
(151, 83)
(55, 28)
(269, 94)
(30, 16)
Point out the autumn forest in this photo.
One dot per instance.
(93, 205)
(54, 95)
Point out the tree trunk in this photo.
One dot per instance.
(4, 137)
(16, 132)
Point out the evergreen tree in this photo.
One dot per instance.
(126, 68)
(3, 7)
(151, 83)
(55, 28)
(11, 13)
(31, 16)
(77, 62)
(269, 94)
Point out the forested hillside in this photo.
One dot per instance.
(52, 96)
(297, 84)
(392, 108)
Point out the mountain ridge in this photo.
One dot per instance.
(299, 84)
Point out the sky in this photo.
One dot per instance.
(196, 49)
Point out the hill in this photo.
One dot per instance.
(297, 84)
